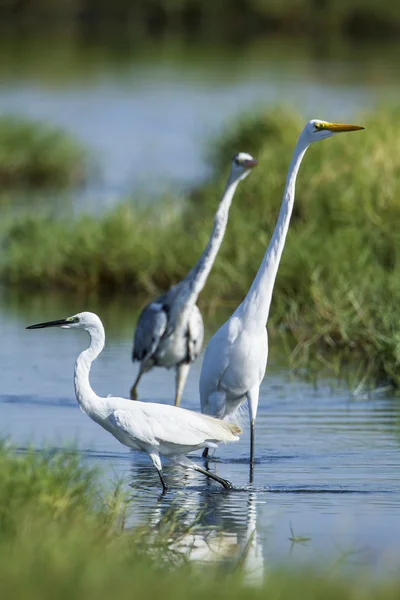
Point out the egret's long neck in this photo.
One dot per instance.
(190, 287)
(255, 307)
(87, 398)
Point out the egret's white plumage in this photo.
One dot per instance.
(170, 330)
(150, 427)
(236, 356)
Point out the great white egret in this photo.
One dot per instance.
(236, 356)
(170, 330)
(152, 428)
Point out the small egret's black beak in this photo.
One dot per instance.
(250, 163)
(49, 324)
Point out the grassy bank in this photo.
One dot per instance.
(339, 281)
(61, 537)
(354, 17)
(34, 153)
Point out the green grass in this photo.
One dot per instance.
(63, 537)
(34, 154)
(338, 284)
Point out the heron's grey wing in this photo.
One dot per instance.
(195, 333)
(150, 328)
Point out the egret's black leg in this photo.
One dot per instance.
(163, 482)
(224, 482)
(205, 453)
(252, 434)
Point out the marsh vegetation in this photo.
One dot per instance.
(338, 283)
(353, 18)
(36, 154)
(63, 535)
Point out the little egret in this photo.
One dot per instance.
(152, 428)
(170, 330)
(236, 356)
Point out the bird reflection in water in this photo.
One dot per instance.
(203, 525)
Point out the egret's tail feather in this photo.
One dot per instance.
(220, 431)
(229, 429)
(234, 428)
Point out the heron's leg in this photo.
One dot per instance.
(224, 482)
(205, 453)
(155, 457)
(134, 395)
(252, 399)
(182, 371)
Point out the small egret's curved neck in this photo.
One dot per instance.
(255, 307)
(190, 287)
(87, 398)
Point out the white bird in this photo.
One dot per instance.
(236, 356)
(150, 427)
(170, 330)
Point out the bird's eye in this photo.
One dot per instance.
(318, 126)
(73, 319)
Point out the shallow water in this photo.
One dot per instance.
(327, 463)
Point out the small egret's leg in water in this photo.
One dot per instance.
(184, 461)
(205, 453)
(224, 482)
(182, 371)
(134, 395)
(155, 457)
(252, 399)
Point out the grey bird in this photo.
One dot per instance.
(170, 330)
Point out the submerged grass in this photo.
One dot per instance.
(62, 537)
(339, 280)
(34, 153)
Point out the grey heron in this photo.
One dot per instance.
(169, 332)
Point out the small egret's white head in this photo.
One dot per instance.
(316, 130)
(84, 320)
(242, 164)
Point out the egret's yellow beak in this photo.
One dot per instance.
(341, 127)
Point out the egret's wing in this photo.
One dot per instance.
(150, 328)
(155, 424)
(215, 364)
(195, 333)
(134, 426)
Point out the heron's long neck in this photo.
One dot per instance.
(256, 305)
(191, 286)
(87, 398)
